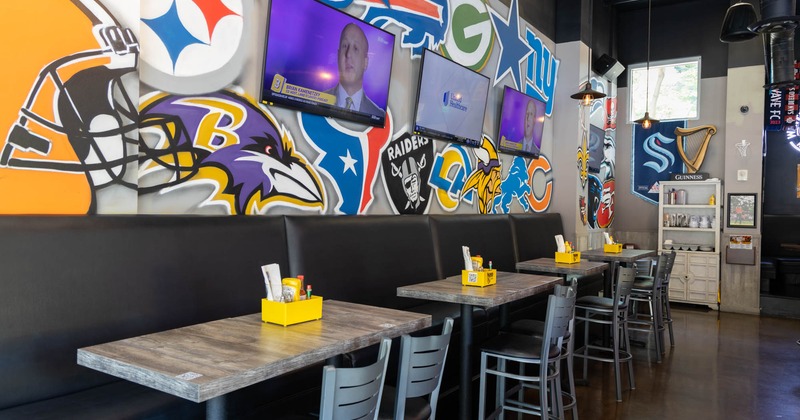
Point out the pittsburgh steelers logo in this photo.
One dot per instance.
(193, 46)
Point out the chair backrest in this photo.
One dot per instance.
(644, 267)
(354, 393)
(560, 312)
(421, 367)
(625, 278)
(668, 268)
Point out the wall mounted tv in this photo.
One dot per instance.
(324, 61)
(521, 124)
(451, 100)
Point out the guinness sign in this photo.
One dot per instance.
(697, 176)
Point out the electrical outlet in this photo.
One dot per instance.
(741, 175)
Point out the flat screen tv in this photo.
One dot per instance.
(451, 100)
(521, 123)
(324, 61)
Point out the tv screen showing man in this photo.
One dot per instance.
(317, 57)
(353, 61)
(521, 123)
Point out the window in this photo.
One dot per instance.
(674, 89)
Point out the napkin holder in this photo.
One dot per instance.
(612, 248)
(568, 257)
(486, 277)
(288, 313)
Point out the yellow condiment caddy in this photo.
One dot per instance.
(568, 257)
(612, 248)
(482, 278)
(288, 313)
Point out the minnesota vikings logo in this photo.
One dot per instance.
(225, 140)
(486, 177)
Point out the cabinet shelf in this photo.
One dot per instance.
(690, 229)
(695, 274)
(689, 206)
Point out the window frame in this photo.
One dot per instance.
(662, 63)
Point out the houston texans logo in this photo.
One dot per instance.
(515, 185)
(424, 22)
(349, 158)
(653, 147)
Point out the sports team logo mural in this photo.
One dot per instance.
(193, 47)
(471, 36)
(406, 164)
(451, 167)
(424, 22)
(601, 202)
(67, 120)
(583, 158)
(582, 209)
(227, 144)
(348, 158)
(540, 172)
(515, 186)
(513, 48)
(655, 156)
(611, 114)
(485, 178)
(541, 73)
(605, 212)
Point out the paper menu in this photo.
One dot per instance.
(272, 281)
(560, 243)
(467, 258)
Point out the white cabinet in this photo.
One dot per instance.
(691, 225)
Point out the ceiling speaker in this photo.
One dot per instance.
(608, 67)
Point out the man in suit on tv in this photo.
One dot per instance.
(352, 62)
(528, 144)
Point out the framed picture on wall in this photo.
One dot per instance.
(742, 210)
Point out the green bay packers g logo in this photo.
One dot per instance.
(471, 37)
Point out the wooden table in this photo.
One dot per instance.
(627, 256)
(549, 265)
(509, 287)
(204, 362)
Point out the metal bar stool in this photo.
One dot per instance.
(543, 352)
(613, 312)
(535, 327)
(650, 289)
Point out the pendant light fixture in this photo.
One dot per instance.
(587, 94)
(646, 121)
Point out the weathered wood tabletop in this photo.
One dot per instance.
(549, 265)
(204, 361)
(509, 287)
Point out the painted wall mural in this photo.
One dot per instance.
(180, 132)
(226, 144)
(68, 115)
(596, 159)
(348, 158)
(406, 165)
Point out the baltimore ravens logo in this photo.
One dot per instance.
(227, 141)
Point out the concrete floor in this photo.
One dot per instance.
(723, 366)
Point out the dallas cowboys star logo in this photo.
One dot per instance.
(513, 48)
